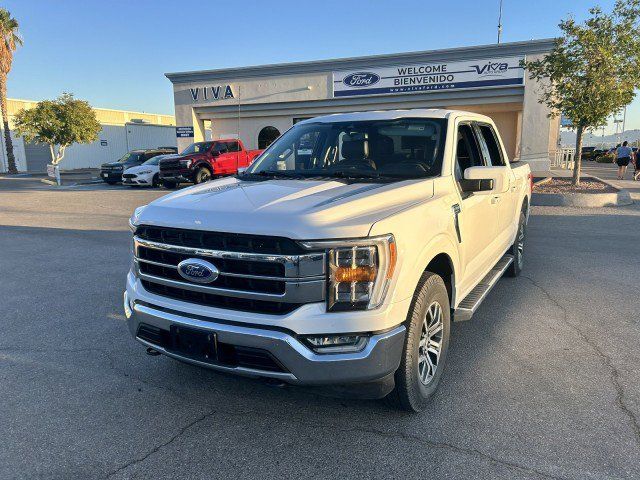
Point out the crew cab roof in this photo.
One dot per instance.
(391, 115)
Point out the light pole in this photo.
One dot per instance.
(500, 22)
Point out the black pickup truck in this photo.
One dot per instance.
(111, 173)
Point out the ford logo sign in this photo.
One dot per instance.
(198, 271)
(361, 79)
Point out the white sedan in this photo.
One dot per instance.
(147, 174)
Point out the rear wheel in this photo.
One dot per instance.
(168, 184)
(426, 345)
(203, 175)
(517, 249)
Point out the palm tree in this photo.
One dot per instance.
(11, 39)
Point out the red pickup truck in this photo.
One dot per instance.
(202, 161)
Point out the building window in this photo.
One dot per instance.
(267, 136)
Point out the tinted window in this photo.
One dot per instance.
(199, 147)
(467, 151)
(131, 157)
(493, 150)
(233, 147)
(220, 148)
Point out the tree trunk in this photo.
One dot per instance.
(577, 162)
(11, 160)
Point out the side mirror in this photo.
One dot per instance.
(486, 179)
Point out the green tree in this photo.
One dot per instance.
(12, 39)
(590, 74)
(58, 123)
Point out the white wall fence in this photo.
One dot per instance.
(112, 143)
(564, 158)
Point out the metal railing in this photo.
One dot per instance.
(564, 158)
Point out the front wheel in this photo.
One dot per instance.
(426, 345)
(517, 249)
(155, 181)
(202, 175)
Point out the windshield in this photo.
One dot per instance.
(199, 147)
(382, 149)
(131, 157)
(154, 160)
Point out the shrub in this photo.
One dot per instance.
(606, 158)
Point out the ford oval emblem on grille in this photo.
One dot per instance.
(361, 79)
(198, 271)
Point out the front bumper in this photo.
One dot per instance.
(136, 181)
(379, 358)
(181, 175)
(111, 176)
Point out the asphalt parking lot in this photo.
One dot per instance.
(543, 383)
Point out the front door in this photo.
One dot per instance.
(477, 217)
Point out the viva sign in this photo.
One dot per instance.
(427, 77)
(219, 92)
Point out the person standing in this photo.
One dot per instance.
(623, 155)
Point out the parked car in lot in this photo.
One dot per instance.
(202, 161)
(343, 262)
(587, 153)
(111, 173)
(147, 174)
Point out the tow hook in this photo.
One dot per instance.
(153, 352)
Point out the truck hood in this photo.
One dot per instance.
(299, 209)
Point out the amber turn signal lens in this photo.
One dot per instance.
(355, 274)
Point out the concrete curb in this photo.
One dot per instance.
(586, 200)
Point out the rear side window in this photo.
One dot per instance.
(493, 152)
(233, 147)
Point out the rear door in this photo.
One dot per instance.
(477, 215)
(506, 200)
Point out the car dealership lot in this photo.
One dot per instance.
(541, 384)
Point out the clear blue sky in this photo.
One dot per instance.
(115, 53)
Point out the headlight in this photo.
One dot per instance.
(186, 163)
(133, 221)
(144, 172)
(359, 272)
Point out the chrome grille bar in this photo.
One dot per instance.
(295, 266)
(303, 280)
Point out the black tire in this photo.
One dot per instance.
(412, 391)
(168, 184)
(202, 175)
(517, 249)
(155, 181)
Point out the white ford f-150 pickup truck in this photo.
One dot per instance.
(340, 256)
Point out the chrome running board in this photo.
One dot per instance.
(472, 301)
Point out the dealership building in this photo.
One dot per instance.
(121, 132)
(259, 103)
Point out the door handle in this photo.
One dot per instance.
(495, 200)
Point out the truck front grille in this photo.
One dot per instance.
(251, 278)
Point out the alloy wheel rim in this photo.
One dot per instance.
(430, 346)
